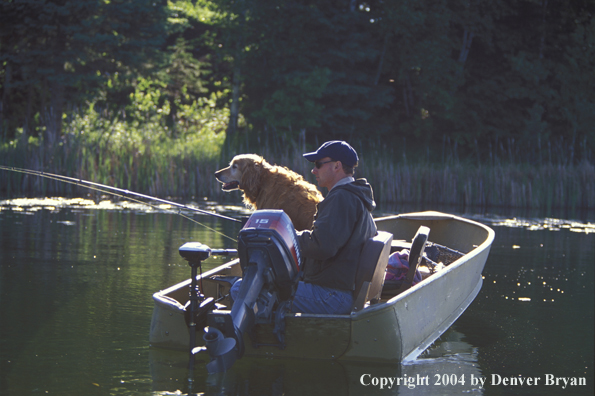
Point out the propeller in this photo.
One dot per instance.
(221, 349)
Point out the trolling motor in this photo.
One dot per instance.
(270, 260)
(195, 253)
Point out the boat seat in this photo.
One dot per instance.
(371, 270)
(416, 252)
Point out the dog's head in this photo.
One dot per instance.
(242, 173)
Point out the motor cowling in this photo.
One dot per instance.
(270, 260)
(271, 233)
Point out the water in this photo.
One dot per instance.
(76, 281)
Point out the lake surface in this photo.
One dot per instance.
(76, 280)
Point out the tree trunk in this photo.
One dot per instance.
(543, 29)
(234, 110)
(381, 62)
(28, 112)
(52, 113)
(408, 96)
(467, 40)
(5, 92)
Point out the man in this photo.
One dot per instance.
(342, 224)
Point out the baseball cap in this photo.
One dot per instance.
(337, 150)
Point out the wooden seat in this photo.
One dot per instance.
(371, 270)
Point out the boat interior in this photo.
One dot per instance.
(425, 257)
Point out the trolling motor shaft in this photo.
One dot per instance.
(195, 253)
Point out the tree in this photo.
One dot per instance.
(309, 64)
(59, 52)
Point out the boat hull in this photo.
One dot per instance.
(397, 329)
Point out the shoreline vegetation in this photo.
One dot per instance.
(466, 104)
(146, 159)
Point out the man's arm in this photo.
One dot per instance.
(332, 228)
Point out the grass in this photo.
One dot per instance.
(525, 186)
(149, 158)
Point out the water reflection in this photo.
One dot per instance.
(53, 203)
(447, 369)
(76, 279)
(548, 224)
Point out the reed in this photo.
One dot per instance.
(146, 158)
(142, 158)
(545, 186)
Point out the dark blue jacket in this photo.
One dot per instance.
(342, 224)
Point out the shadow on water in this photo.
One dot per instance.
(258, 376)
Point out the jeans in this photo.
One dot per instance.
(311, 298)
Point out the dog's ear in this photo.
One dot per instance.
(251, 175)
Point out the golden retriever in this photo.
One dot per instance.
(267, 186)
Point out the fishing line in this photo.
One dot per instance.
(87, 183)
(106, 190)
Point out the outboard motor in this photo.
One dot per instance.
(270, 260)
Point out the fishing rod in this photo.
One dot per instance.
(86, 183)
(117, 192)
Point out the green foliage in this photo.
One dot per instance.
(136, 151)
(482, 81)
(145, 128)
(295, 43)
(58, 54)
(295, 103)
